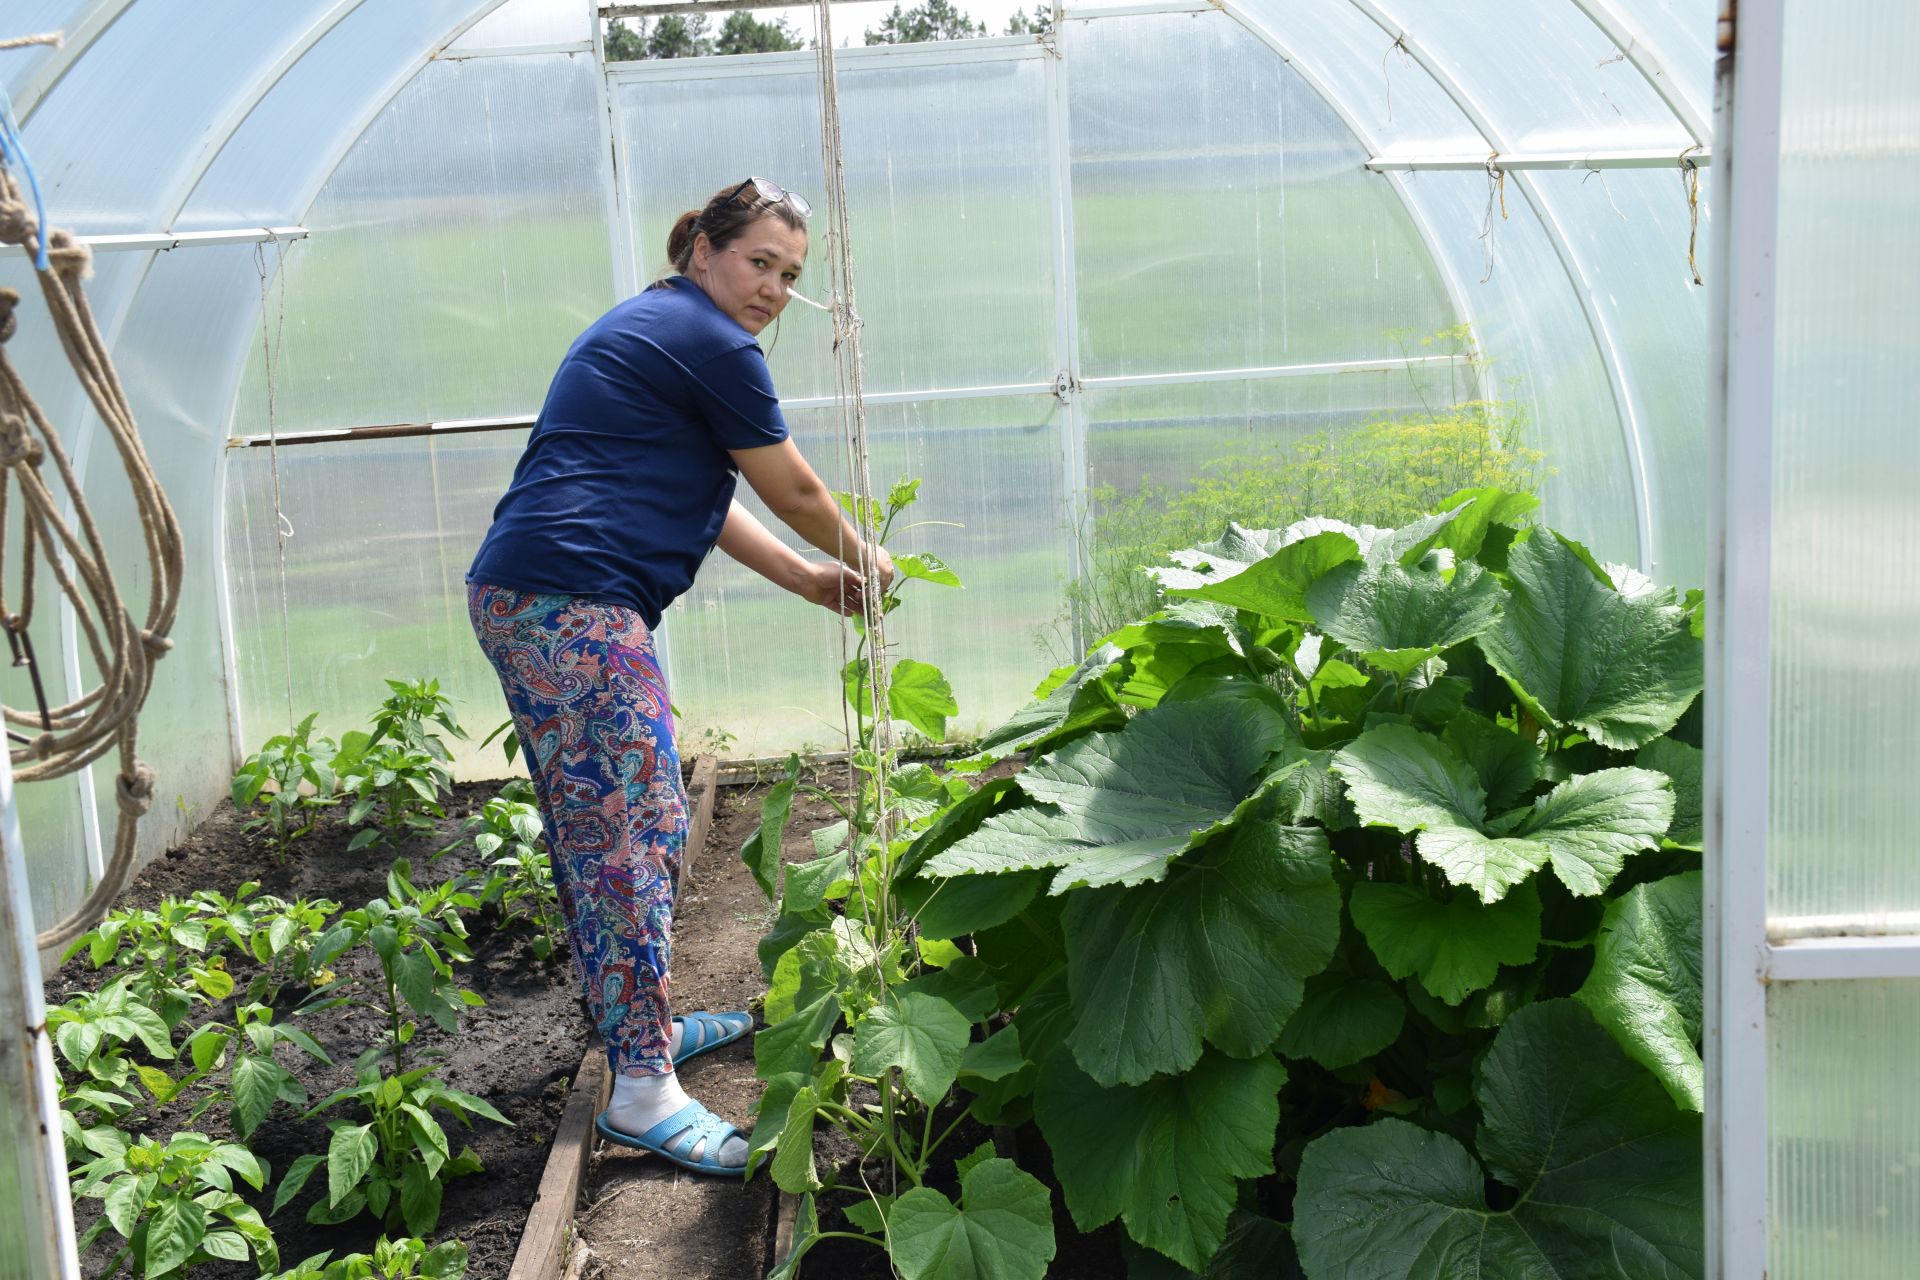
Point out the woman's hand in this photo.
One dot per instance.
(834, 586)
(882, 564)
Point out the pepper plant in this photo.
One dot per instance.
(174, 1206)
(1371, 850)
(166, 950)
(408, 1258)
(234, 1064)
(399, 787)
(291, 777)
(396, 1164)
(416, 934)
(520, 879)
(410, 713)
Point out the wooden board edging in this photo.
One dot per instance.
(701, 789)
(543, 1244)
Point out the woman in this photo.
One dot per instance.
(626, 483)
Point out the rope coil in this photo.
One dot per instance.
(103, 719)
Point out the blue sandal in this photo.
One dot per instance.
(675, 1138)
(704, 1032)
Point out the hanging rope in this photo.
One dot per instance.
(283, 528)
(1690, 180)
(851, 413)
(72, 736)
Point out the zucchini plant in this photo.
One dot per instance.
(1371, 851)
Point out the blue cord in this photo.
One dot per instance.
(13, 150)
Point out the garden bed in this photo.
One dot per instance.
(519, 1051)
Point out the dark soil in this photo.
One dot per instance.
(644, 1220)
(519, 1052)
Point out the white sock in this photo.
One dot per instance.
(641, 1102)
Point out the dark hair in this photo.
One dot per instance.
(725, 219)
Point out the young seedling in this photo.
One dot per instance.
(291, 777)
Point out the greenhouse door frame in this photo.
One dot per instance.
(1746, 951)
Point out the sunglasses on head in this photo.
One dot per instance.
(773, 193)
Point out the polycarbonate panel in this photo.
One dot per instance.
(178, 350)
(760, 663)
(282, 154)
(948, 197)
(32, 18)
(1542, 358)
(523, 22)
(1223, 218)
(1843, 1129)
(1397, 105)
(383, 531)
(1630, 228)
(128, 120)
(1543, 75)
(1846, 465)
(455, 254)
(1680, 33)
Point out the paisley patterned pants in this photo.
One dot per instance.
(590, 705)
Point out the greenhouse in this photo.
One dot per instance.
(1337, 745)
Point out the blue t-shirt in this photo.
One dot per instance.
(626, 478)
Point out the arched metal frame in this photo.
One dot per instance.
(1608, 16)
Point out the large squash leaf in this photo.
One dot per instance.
(1116, 808)
(1219, 951)
(1398, 616)
(1342, 1020)
(1276, 586)
(1003, 1229)
(1586, 827)
(1220, 559)
(1457, 946)
(1607, 1172)
(1621, 669)
(1083, 700)
(1685, 765)
(1165, 1156)
(1647, 988)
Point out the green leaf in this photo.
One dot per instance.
(1116, 808)
(229, 1246)
(1166, 1156)
(1592, 823)
(257, 1080)
(1455, 947)
(960, 820)
(126, 1200)
(295, 1178)
(961, 905)
(1402, 778)
(1343, 1020)
(761, 852)
(1468, 530)
(810, 884)
(793, 1043)
(925, 568)
(349, 1155)
(419, 1199)
(995, 1058)
(923, 1035)
(1647, 988)
(1276, 586)
(1083, 700)
(1256, 1248)
(174, 1229)
(1684, 765)
(1606, 1170)
(445, 1261)
(1219, 951)
(1621, 669)
(1222, 558)
(1506, 764)
(793, 1168)
(1002, 1231)
(918, 693)
(1397, 617)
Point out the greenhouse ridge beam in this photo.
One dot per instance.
(1521, 161)
(687, 6)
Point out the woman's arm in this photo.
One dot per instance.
(835, 586)
(791, 490)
